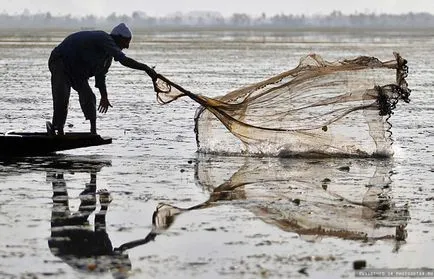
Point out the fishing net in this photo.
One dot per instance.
(318, 108)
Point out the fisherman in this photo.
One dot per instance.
(80, 56)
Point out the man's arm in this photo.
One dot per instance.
(133, 64)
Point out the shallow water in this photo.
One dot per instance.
(246, 231)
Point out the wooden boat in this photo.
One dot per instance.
(40, 144)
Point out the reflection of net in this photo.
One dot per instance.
(346, 198)
(320, 107)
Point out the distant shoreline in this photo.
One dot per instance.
(215, 21)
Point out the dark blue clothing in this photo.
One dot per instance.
(86, 54)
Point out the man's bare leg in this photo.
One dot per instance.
(93, 126)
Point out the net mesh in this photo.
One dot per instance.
(338, 108)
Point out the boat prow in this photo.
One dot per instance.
(39, 144)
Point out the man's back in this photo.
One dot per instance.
(86, 53)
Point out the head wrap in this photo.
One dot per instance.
(122, 30)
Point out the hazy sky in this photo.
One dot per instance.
(226, 7)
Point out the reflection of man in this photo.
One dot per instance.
(74, 241)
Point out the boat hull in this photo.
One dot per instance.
(40, 144)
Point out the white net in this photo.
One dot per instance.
(322, 108)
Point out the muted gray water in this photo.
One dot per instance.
(153, 160)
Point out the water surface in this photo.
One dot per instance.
(247, 230)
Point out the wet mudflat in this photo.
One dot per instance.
(177, 213)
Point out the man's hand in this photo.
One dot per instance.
(104, 104)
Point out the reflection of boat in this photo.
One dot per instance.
(38, 144)
(55, 163)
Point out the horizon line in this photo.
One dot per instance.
(26, 12)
